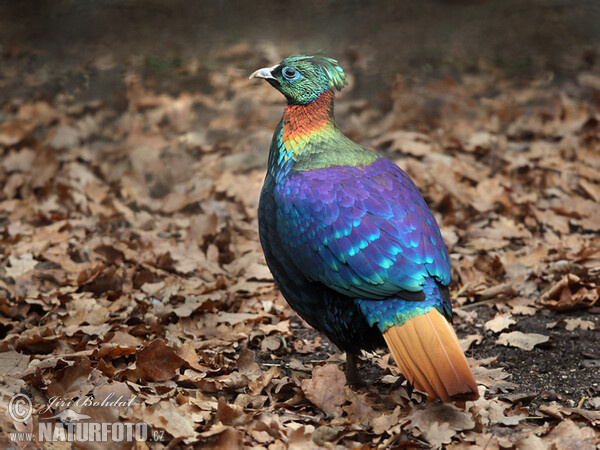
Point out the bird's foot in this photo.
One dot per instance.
(355, 380)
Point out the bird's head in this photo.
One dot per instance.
(302, 79)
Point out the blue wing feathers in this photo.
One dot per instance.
(365, 232)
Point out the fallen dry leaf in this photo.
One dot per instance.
(72, 382)
(573, 324)
(570, 293)
(525, 341)
(499, 322)
(157, 362)
(440, 423)
(326, 388)
(568, 435)
(467, 342)
(21, 265)
(385, 422)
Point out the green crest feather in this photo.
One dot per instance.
(336, 77)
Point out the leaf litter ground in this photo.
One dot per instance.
(131, 264)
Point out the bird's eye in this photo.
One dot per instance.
(290, 74)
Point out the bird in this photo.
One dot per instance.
(350, 241)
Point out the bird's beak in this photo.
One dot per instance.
(265, 73)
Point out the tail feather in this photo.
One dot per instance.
(428, 354)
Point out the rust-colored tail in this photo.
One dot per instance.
(428, 354)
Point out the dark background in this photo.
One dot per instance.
(376, 40)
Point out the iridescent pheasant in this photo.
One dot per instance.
(351, 243)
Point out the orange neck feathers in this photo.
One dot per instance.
(303, 120)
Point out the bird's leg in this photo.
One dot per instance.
(352, 376)
(409, 389)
